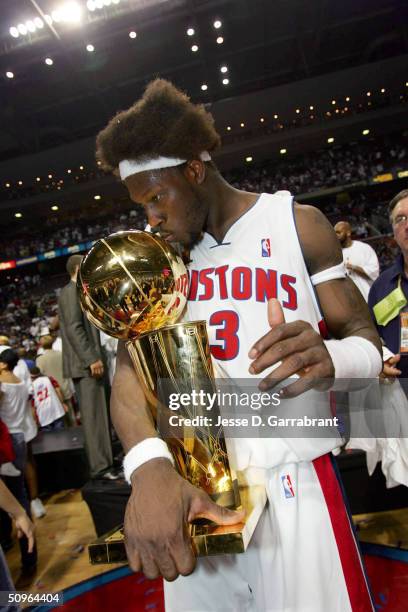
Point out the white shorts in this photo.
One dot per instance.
(303, 556)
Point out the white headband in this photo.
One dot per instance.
(127, 167)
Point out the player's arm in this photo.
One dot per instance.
(297, 344)
(162, 502)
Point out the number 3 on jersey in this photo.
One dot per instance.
(227, 322)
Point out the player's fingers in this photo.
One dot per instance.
(182, 552)
(281, 350)
(291, 366)
(133, 556)
(167, 566)
(275, 313)
(280, 332)
(301, 385)
(149, 566)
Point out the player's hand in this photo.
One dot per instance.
(159, 509)
(97, 369)
(300, 349)
(390, 372)
(25, 527)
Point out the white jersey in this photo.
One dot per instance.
(13, 405)
(230, 284)
(46, 401)
(303, 555)
(362, 255)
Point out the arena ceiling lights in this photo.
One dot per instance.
(67, 13)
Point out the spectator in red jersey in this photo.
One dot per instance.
(48, 401)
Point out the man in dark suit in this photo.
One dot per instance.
(82, 361)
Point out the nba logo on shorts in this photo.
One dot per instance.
(287, 486)
(266, 247)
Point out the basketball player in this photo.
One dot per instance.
(264, 273)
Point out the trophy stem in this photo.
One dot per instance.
(176, 360)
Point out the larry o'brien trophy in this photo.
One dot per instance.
(134, 286)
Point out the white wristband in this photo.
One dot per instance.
(353, 358)
(150, 448)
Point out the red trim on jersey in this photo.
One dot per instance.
(349, 554)
(324, 332)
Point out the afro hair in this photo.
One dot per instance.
(164, 122)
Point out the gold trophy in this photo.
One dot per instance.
(134, 286)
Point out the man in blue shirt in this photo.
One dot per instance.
(391, 315)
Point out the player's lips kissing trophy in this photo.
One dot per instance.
(134, 286)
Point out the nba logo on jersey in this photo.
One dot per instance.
(287, 486)
(266, 247)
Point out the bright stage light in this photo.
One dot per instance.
(97, 197)
(366, 132)
(70, 12)
(220, 40)
(99, 4)
(90, 48)
(282, 151)
(217, 24)
(55, 207)
(204, 87)
(330, 140)
(248, 159)
(49, 61)
(30, 25)
(18, 215)
(22, 29)
(190, 32)
(311, 107)
(275, 116)
(39, 23)
(224, 69)
(297, 111)
(194, 48)
(14, 32)
(107, 2)
(132, 34)
(90, 5)
(9, 74)
(56, 16)
(48, 19)
(242, 124)
(229, 128)
(225, 81)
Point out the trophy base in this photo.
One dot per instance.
(208, 538)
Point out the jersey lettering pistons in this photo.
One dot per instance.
(231, 282)
(242, 283)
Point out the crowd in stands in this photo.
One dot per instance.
(343, 165)
(79, 230)
(333, 167)
(27, 307)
